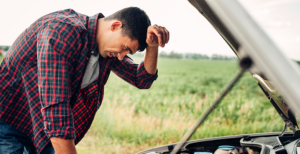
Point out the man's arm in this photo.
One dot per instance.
(156, 36)
(143, 75)
(54, 90)
(133, 73)
(150, 60)
(63, 146)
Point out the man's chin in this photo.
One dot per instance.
(103, 55)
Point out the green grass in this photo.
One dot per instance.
(131, 120)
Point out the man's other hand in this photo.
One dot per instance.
(157, 36)
(63, 146)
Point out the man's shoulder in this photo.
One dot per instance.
(65, 18)
(67, 14)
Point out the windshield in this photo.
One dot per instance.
(280, 19)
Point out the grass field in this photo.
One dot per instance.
(132, 120)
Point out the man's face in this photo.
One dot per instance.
(115, 44)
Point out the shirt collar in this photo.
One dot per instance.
(92, 29)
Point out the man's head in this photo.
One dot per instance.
(123, 32)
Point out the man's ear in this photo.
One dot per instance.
(116, 26)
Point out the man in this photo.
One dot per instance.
(52, 79)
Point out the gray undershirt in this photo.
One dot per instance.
(92, 70)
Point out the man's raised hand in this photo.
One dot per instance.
(157, 36)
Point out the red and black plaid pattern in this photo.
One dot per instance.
(41, 74)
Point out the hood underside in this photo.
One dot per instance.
(275, 98)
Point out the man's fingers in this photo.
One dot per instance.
(158, 34)
(163, 36)
(150, 37)
(167, 34)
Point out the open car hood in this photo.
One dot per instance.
(275, 98)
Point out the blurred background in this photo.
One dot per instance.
(193, 68)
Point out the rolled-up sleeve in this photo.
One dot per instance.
(133, 73)
(54, 84)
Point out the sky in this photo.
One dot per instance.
(189, 30)
(281, 21)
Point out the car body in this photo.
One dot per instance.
(265, 62)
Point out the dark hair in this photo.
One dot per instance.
(135, 24)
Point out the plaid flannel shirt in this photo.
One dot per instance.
(41, 74)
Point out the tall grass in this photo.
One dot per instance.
(131, 120)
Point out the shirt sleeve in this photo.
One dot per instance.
(133, 73)
(54, 83)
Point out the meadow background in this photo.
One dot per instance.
(131, 120)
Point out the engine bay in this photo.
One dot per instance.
(265, 143)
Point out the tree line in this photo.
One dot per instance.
(3, 48)
(176, 55)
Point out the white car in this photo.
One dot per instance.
(277, 76)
